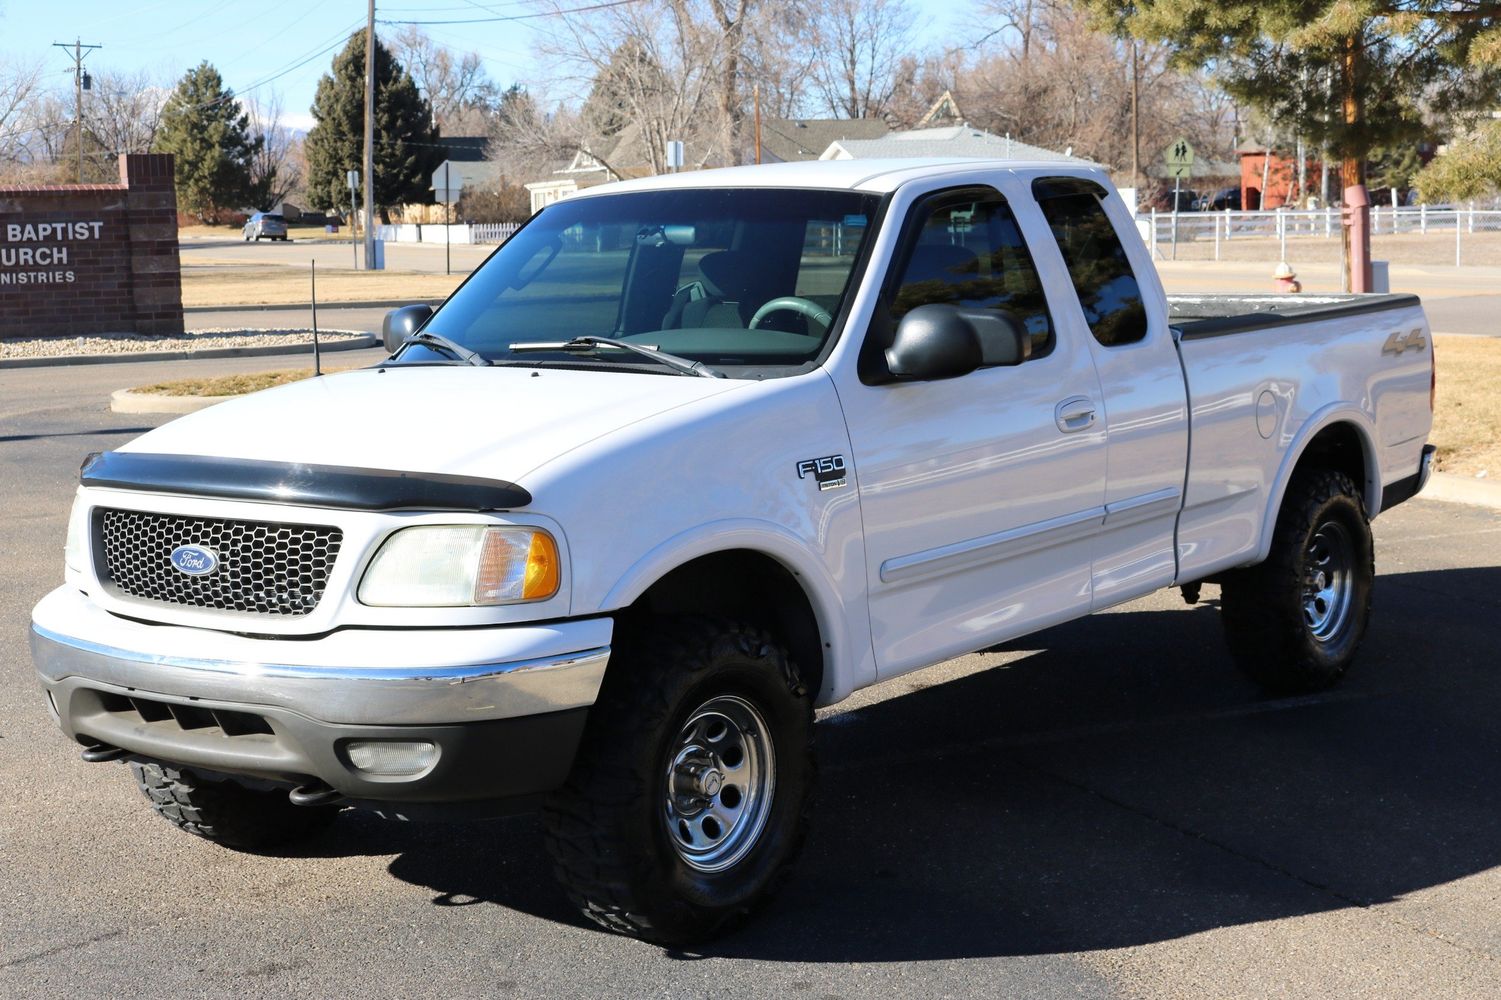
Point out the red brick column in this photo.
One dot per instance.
(156, 274)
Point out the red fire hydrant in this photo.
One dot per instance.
(1287, 281)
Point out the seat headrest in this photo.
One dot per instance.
(727, 273)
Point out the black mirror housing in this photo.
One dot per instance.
(400, 324)
(937, 341)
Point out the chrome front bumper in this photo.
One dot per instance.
(382, 677)
(505, 703)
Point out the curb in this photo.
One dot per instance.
(351, 344)
(126, 401)
(1448, 487)
(273, 307)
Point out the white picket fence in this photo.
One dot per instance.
(479, 232)
(1164, 231)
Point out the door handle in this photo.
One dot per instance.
(1074, 414)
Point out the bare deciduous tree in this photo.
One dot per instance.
(779, 59)
(462, 94)
(122, 110)
(276, 167)
(670, 86)
(20, 90)
(526, 144)
(862, 45)
(731, 17)
(1047, 75)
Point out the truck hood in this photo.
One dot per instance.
(497, 423)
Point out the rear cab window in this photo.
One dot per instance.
(1097, 261)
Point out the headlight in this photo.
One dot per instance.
(74, 549)
(462, 565)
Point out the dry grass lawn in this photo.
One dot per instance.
(288, 286)
(1467, 421)
(229, 385)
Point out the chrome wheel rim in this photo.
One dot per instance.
(1327, 581)
(719, 783)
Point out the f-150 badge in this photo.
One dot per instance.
(828, 472)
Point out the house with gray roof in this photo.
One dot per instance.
(951, 140)
(793, 140)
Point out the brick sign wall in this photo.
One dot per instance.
(92, 258)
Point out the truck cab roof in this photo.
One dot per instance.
(876, 175)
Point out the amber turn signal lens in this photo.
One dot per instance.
(542, 573)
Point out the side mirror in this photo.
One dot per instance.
(944, 341)
(400, 324)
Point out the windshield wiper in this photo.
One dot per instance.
(427, 338)
(583, 345)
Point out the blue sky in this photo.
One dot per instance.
(257, 45)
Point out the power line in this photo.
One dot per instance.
(443, 10)
(301, 62)
(520, 17)
(297, 64)
(285, 28)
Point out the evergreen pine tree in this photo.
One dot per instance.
(406, 150)
(208, 134)
(1350, 77)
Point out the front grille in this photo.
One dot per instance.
(263, 568)
(186, 717)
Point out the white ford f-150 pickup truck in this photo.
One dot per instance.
(688, 457)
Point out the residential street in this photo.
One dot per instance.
(1104, 809)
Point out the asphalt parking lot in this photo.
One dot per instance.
(1104, 809)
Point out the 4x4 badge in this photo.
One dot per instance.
(1399, 343)
(828, 472)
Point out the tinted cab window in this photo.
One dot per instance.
(1097, 262)
(965, 249)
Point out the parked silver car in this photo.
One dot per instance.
(264, 224)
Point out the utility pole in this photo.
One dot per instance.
(370, 139)
(1135, 127)
(79, 81)
(757, 93)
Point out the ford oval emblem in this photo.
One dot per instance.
(194, 560)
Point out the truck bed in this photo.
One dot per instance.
(1198, 316)
(1256, 400)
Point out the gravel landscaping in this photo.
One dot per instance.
(135, 343)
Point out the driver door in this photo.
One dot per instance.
(980, 494)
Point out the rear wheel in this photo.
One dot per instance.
(689, 798)
(1295, 621)
(226, 811)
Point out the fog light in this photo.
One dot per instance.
(391, 758)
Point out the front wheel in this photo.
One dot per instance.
(1295, 621)
(689, 798)
(226, 811)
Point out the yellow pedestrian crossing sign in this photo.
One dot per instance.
(1180, 159)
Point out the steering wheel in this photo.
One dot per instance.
(792, 303)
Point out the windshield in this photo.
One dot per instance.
(736, 278)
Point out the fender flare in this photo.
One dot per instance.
(1321, 419)
(841, 648)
